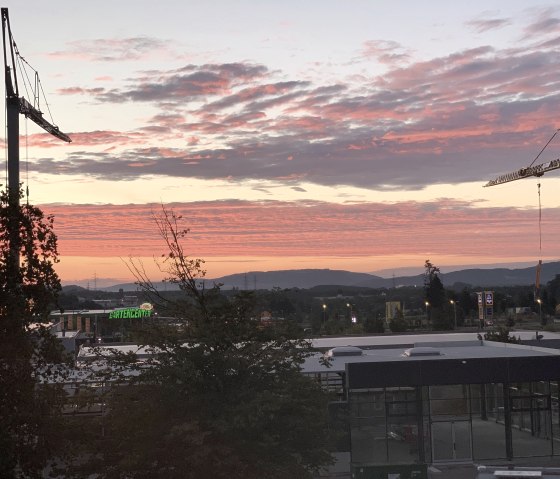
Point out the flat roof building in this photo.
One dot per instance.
(420, 401)
(405, 402)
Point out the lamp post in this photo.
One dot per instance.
(453, 302)
(427, 319)
(324, 313)
(540, 310)
(352, 318)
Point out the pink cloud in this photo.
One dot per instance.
(229, 228)
(90, 138)
(80, 91)
(489, 106)
(384, 51)
(485, 24)
(112, 49)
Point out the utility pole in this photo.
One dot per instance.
(453, 302)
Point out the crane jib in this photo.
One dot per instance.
(29, 111)
(537, 171)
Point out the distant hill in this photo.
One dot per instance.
(486, 277)
(309, 278)
(502, 276)
(300, 278)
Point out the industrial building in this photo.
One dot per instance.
(441, 399)
(405, 404)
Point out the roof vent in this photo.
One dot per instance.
(422, 351)
(344, 351)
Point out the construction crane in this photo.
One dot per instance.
(537, 170)
(530, 170)
(16, 105)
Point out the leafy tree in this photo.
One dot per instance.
(468, 303)
(502, 335)
(334, 326)
(551, 295)
(442, 318)
(224, 397)
(28, 288)
(435, 292)
(397, 323)
(374, 325)
(278, 302)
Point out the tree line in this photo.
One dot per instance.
(329, 309)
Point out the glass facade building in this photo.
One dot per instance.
(474, 402)
(456, 422)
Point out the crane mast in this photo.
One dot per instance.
(16, 105)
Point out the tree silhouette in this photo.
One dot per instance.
(28, 288)
(223, 396)
(435, 292)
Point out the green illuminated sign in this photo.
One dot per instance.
(130, 313)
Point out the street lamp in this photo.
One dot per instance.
(453, 302)
(427, 304)
(324, 313)
(352, 317)
(540, 310)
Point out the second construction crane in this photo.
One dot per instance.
(537, 170)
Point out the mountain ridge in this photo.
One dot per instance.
(309, 278)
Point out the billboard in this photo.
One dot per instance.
(485, 304)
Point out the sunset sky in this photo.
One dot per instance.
(290, 134)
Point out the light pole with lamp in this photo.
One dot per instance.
(453, 302)
(352, 318)
(540, 310)
(427, 319)
(324, 313)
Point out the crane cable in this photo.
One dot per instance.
(539, 265)
(6, 145)
(26, 164)
(544, 148)
(540, 222)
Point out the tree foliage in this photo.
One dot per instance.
(442, 318)
(435, 297)
(397, 323)
(435, 292)
(222, 397)
(501, 334)
(28, 288)
(551, 295)
(374, 325)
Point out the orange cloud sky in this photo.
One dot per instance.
(274, 229)
(354, 114)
